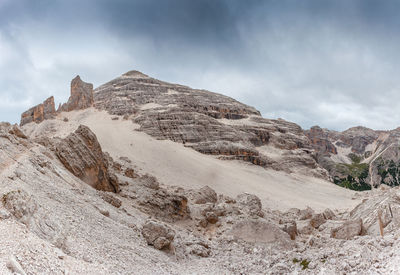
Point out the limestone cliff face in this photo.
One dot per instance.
(207, 122)
(319, 139)
(38, 113)
(81, 96)
(359, 157)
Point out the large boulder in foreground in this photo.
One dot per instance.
(81, 154)
(81, 96)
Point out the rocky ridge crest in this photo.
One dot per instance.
(81, 98)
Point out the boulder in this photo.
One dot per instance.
(304, 227)
(205, 195)
(163, 205)
(250, 204)
(81, 154)
(291, 229)
(260, 231)
(348, 230)
(306, 213)
(317, 220)
(158, 234)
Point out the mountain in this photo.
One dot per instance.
(358, 158)
(209, 123)
(141, 176)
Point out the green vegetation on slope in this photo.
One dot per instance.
(389, 171)
(355, 174)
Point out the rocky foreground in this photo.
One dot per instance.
(68, 206)
(54, 221)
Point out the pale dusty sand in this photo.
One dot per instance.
(174, 164)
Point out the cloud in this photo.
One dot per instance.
(328, 63)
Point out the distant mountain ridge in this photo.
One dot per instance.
(359, 157)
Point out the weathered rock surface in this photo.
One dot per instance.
(20, 204)
(158, 235)
(207, 122)
(81, 96)
(251, 204)
(82, 155)
(320, 140)
(204, 195)
(329, 214)
(156, 201)
(259, 231)
(38, 113)
(348, 230)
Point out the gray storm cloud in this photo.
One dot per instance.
(331, 63)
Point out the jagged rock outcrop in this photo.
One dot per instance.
(82, 155)
(81, 96)
(320, 140)
(38, 113)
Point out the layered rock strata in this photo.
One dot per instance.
(82, 155)
(81, 96)
(209, 123)
(38, 113)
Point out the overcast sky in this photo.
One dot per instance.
(329, 63)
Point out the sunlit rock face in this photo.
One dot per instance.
(81, 96)
(38, 113)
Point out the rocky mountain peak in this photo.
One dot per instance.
(135, 74)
